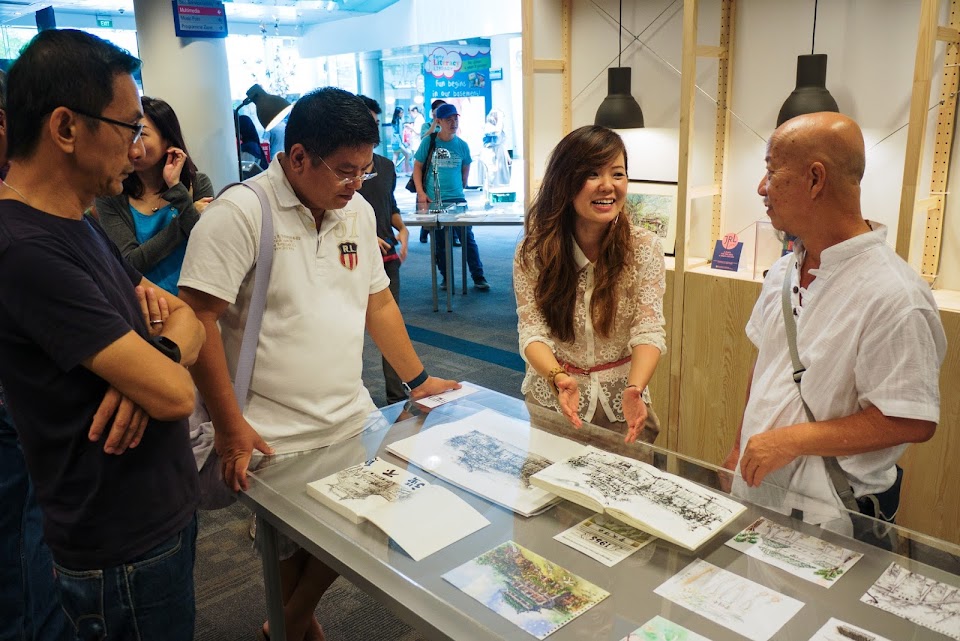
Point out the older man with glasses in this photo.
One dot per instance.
(82, 344)
(326, 285)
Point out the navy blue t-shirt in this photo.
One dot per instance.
(66, 294)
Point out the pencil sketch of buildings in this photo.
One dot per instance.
(478, 452)
(619, 479)
(802, 555)
(917, 598)
(359, 483)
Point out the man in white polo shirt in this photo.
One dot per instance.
(327, 284)
(867, 331)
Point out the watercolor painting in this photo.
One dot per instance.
(653, 206)
(660, 629)
(526, 589)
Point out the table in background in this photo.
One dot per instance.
(424, 218)
(503, 214)
(419, 595)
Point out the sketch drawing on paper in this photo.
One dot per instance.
(650, 211)
(479, 452)
(837, 630)
(729, 600)
(359, 483)
(917, 598)
(620, 480)
(802, 555)
(660, 629)
(528, 590)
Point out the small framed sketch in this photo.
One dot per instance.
(653, 205)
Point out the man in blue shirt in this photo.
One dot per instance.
(447, 174)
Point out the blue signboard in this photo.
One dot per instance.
(199, 19)
(458, 71)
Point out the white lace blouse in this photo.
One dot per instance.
(638, 320)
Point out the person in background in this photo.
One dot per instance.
(119, 508)
(401, 151)
(162, 199)
(433, 126)
(449, 168)
(29, 604)
(378, 191)
(417, 118)
(494, 158)
(590, 291)
(250, 147)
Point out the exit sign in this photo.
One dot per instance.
(105, 23)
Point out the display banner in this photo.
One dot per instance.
(199, 19)
(453, 70)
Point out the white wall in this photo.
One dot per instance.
(871, 46)
(412, 22)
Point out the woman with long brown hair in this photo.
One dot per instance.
(589, 291)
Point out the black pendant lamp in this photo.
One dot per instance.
(811, 94)
(619, 110)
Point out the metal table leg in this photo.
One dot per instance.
(433, 269)
(271, 579)
(448, 230)
(464, 248)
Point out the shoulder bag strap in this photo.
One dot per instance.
(426, 164)
(837, 476)
(258, 300)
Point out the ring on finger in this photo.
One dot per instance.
(156, 321)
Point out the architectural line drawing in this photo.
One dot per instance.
(917, 598)
(358, 483)
(478, 452)
(618, 479)
(805, 556)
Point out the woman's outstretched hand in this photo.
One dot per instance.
(569, 397)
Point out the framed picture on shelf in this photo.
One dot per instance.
(653, 205)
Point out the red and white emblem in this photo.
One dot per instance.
(348, 255)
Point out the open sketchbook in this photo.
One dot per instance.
(420, 517)
(665, 505)
(491, 455)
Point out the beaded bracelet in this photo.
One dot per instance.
(552, 378)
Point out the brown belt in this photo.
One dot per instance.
(573, 369)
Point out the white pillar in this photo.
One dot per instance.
(191, 75)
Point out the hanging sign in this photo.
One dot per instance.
(458, 71)
(199, 19)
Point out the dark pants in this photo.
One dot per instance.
(148, 598)
(469, 245)
(29, 604)
(395, 391)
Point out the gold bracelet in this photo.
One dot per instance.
(552, 378)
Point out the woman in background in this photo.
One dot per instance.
(590, 291)
(250, 142)
(161, 201)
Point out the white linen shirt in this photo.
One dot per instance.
(306, 390)
(638, 320)
(869, 335)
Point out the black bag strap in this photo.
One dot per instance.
(426, 165)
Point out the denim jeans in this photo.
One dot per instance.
(29, 605)
(146, 599)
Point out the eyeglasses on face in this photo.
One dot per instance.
(361, 178)
(137, 129)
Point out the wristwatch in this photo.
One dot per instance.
(419, 380)
(166, 347)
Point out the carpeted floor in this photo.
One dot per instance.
(476, 342)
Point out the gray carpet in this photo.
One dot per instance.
(229, 582)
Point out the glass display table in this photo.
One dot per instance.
(419, 595)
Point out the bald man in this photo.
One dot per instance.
(868, 334)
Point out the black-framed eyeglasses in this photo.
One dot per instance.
(137, 129)
(362, 178)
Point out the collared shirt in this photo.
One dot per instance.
(638, 320)
(306, 390)
(869, 335)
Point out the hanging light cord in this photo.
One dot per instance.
(813, 40)
(620, 35)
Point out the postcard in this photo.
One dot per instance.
(660, 629)
(917, 598)
(604, 539)
(526, 589)
(837, 630)
(441, 399)
(747, 608)
(807, 557)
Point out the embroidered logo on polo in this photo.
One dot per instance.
(348, 255)
(285, 242)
